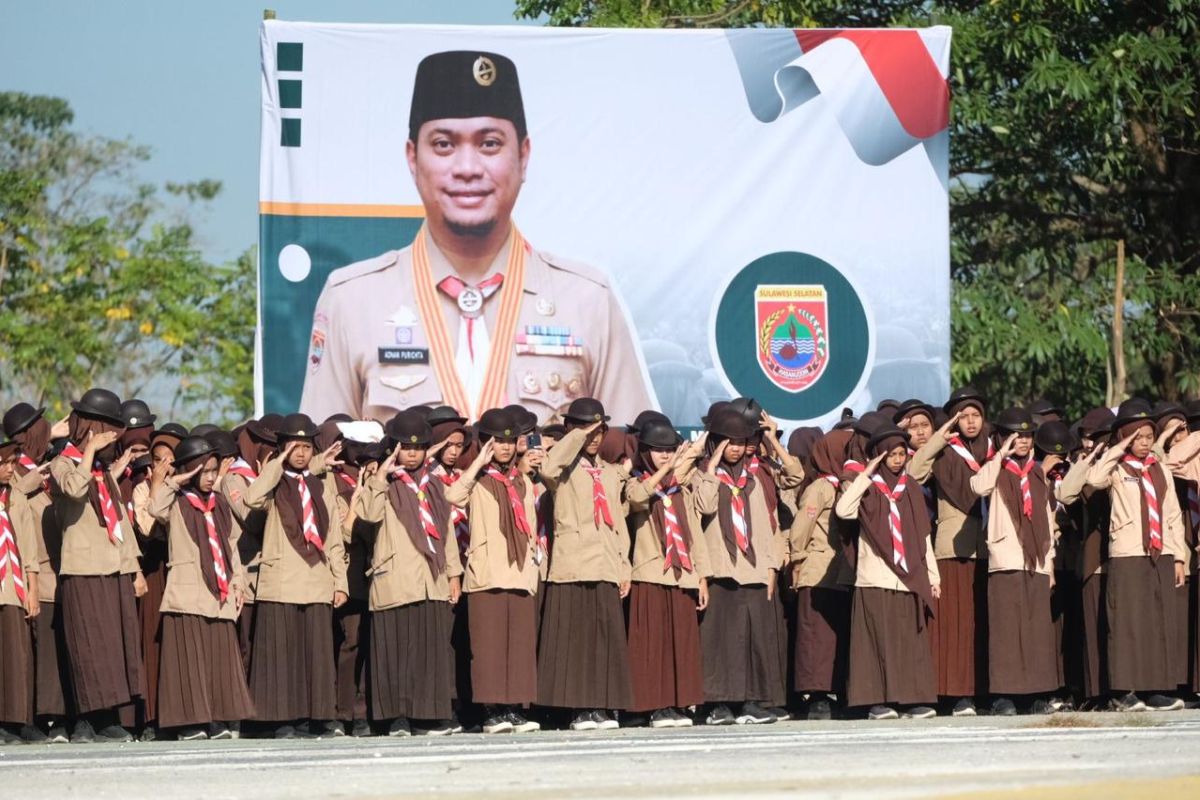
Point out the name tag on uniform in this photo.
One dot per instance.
(403, 355)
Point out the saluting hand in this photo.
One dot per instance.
(950, 429)
(61, 429)
(1124, 444)
(286, 452)
(161, 471)
(1009, 445)
(873, 465)
(118, 467)
(223, 467)
(330, 454)
(696, 448)
(183, 478)
(99, 441)
(389, 463)
(1094, 454)
(715, 461)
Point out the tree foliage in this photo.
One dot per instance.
(101, 280)
(1073, 127)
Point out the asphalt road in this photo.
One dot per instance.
(1082, 755)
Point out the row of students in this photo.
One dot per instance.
(294, 575)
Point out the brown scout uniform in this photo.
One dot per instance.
(16, 637)
(371, 305)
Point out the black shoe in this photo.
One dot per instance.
(455, 725)
(285, 732)
(720, 715)
(8, 736)
(497, 723)
(31, 734)
(965, 707)
(584, 721)
(83, 733)
(520, 724)
(604, 721)
(437, 727)
(1041, 707)
(682, 720)
(149, 734)
(818, 709)
(219, 732)
(754, 714)
(114, 733)
(361, 729)
(336, 728)
(1003, 707)
(920, 712)
(400, 728)
(1160, 702)
(1130, 702)
(662, 719)
(882, 712)
(780, 714)
(57, 733)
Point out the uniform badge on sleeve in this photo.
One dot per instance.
(316, 343)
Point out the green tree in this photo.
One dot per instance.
(1073, 128)
(101, 281)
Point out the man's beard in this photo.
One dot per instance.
(478, 230)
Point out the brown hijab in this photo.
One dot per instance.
(291, 514)
(193, 520)
(1032, 533)
(81, 428)
(408, 511)
(1158, 477)
(34, 441)
(828, 456)
(517, 543)
(725, 509)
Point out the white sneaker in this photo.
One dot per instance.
(584, 721)
(604, 722)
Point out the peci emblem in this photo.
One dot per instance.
(791, 334)
(484, 71)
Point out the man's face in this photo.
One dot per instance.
(468, 172)
(970, 421)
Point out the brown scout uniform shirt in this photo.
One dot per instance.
(580, 551)
(284, 576)
(371, 305)
(822, 561)
(958, 535)
(1184, 462)
(49, 534)
(1004, 548)
(1125, 519)
(20, 514)
(648, 555)
(186, 592)
(770, 547)
(400, 573)
(86, 549)
(487, 556)
(873, 570)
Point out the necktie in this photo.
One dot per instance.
(676, 553)
(1022, 473)
(206, 507)
(895, 526)
(10, 556)
(600, 510)
(426, 510)
(309, 524)
(474, 346)
(737, 506)
(1151, 497)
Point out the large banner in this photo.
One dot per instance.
(489, 215)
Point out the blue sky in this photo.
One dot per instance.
(183, 78)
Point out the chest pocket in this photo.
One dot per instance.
(547, 384)
(400, 386)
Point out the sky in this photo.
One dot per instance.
(183, 78)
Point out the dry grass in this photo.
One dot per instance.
(1066, 721)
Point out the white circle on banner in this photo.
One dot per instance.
(294, 263)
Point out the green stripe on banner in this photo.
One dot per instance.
(289, 133)
(289, 56)
(287, 306)
(289, 93)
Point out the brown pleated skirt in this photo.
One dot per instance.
(350, 632)
(16, 666)
(822, 639)
(49, 653)
(1185, 638)
(1194, 632)
(412, 666)
(460, 646)
(103, 640)
(1022, 646)
(1142, 648)
(1095, 636)
(739, 642)
(246, 634)
(292, 673)
(958, 630)
(150, 622)
(664, 648)
(201, 678)
(583, 657)
(890, 657)
(503, 647)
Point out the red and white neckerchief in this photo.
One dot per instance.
(834, 480)
(853, 466)
(31, 466)
(347, 479)
(10, 556)
(676, 553)
(737, 505)
(108, 508)
(514, 499)
(1023, 473)
(243, 468)
(956, 444)
(309, 524)
(600, 510)
(206, 507)
(458, 516)
(1151, 496)
(423, 504)
(894, 524)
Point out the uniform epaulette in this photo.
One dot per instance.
(576, 268)
(360, 268)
